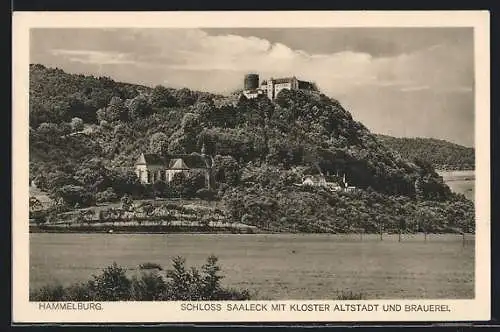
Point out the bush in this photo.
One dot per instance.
(112, 284)
(178, 283)
(49, 293)
(73, 195)
(184, 284)
(76, 124)
(350, 295)
(207, 194)
(150, 266)
(149, 287)
(107, 195)
(80, 292)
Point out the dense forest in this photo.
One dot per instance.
(86, 132)
(441, 154)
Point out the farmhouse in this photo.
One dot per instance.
(151, 167)
(273, 86)
(314, 180)
(320, 181)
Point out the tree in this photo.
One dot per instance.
(65, 128)
(188, 184)
(107, 195)
(158, 143)
(159, 188)
(226, 170)
(177, 182)
(191, 123)
(35, 204)
(48, 129)
(426, 215)
(138, 107)
(184, 97)
(161, 97)
(126, 183)
(73, 195)
(211, 279)
(205, 110)
(112, 284)
(115, 111)
(93, 175)
(126, 203)
(150, 286)
(206, 194)
(181, 279)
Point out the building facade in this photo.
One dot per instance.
(320, 181)
(151, 168)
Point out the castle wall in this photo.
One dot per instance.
(171, 173)
(150, 173)
(280, 86)
(270, 89)
(142, 173)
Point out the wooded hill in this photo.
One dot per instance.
(441, 154)
(84, 131)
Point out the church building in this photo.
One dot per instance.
(151, 167)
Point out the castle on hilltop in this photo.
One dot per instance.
(273, 86)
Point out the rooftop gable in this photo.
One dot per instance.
(149, 159)
(187, 161)
(178, 163)
(283, 80)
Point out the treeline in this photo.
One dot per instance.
(441, 154)
(179, 283)
(56, 96)
(318, 210)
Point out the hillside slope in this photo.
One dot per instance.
(258, 145)
(440, 153)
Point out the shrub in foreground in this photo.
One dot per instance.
(350, 295)
(178, 283)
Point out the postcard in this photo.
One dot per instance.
(251, 166)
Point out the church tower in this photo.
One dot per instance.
(209, 162)
(203, 149)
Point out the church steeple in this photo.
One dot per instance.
(203, 149)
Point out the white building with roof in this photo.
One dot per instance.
(151, 167)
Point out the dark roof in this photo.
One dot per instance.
(193, 160)
(283, 80)
(153, 159)
(307, 85)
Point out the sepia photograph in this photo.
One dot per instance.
(252, 164)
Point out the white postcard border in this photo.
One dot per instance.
(461, 310)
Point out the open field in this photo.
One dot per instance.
(460, 181)
(277, 266)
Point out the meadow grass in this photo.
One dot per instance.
(276, 266)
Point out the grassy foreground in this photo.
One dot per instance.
(154, 284)
(178, 283)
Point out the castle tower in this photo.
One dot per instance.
(251, 82)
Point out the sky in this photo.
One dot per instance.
(404, 82)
